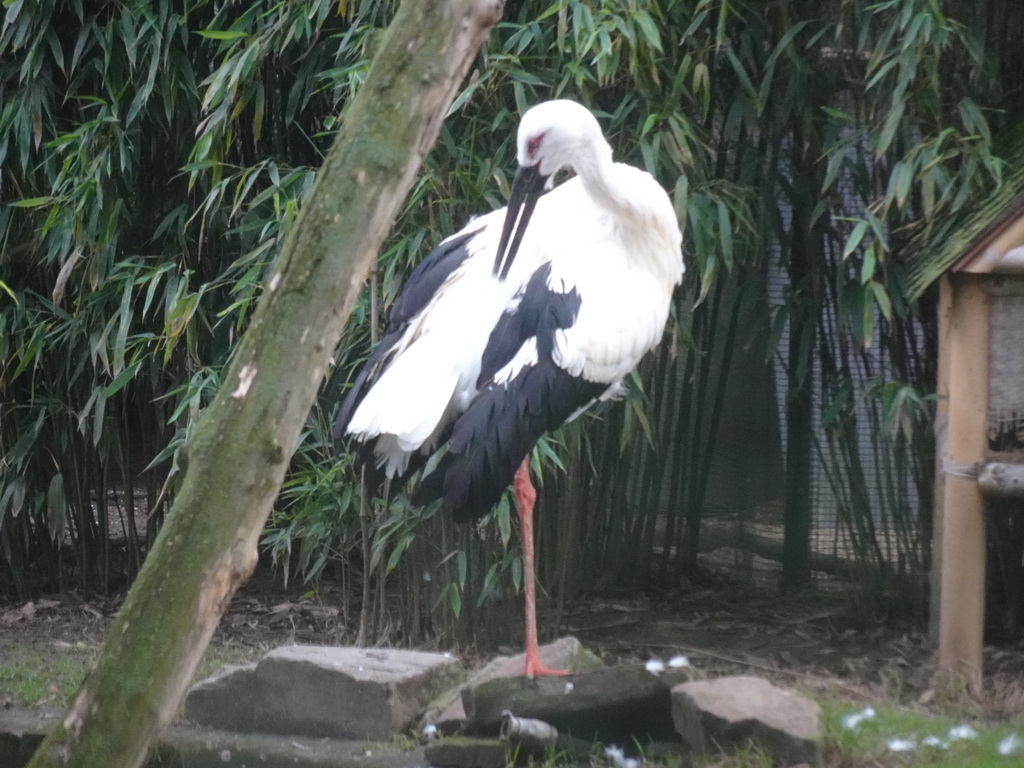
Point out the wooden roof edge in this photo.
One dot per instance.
(979, 247)
(963, 240)
(929, 260)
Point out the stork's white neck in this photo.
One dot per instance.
(596, 168)
(640, 207)
(611, 186)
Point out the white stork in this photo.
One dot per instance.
(517, 324)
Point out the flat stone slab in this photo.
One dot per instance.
(22, 730)
(447, 711)
(734, 712)
(614, 705)
(342, 693)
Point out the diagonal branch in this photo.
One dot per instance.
(242, 445)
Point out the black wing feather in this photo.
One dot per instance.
(428, 276)
(503, 422)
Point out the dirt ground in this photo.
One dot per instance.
(809, 642)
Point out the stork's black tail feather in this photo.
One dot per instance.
(494, 435)
(497, 432)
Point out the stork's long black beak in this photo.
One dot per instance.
(527, 187)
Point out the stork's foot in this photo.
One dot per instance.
(535, 668)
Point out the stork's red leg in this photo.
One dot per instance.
(526, 495)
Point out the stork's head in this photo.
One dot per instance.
(556, 134)
(552, 136)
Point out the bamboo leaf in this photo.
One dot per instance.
(503, 513)
(486, 591)
(397, 552)
(882, 299)
(31, 202)
(892, 124)
(4, 287)
(650, 30)
(120, 381)
(867, 269)
(125, 315)
(454, 599)
(853, 241)
(903, 175)
(63, 276)
(461, 565)
(220, 34)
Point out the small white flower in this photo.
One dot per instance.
(678, 661)
(429, 731)
(934, 741)
(655, 666)
(1010, 745)
(901, 745)
(854, 719)
(619, 759)
(958, 732)
(569, 687)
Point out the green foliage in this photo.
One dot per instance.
(152, 175)
(154, 154)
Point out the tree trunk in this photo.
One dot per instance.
(242, 445)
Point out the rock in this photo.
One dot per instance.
(447, 711)
(201, 748)
(618, 705)
(355, 693)
(564, 653)
(733, 712)
(22, 730)
(460, 752)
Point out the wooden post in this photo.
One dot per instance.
(941, 423)
(962, 526)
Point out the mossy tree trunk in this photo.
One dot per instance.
(240, 451)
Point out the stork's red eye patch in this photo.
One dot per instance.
(533, 144)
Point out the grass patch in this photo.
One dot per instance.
(48, 674)
(927, 740)
(33, 675)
